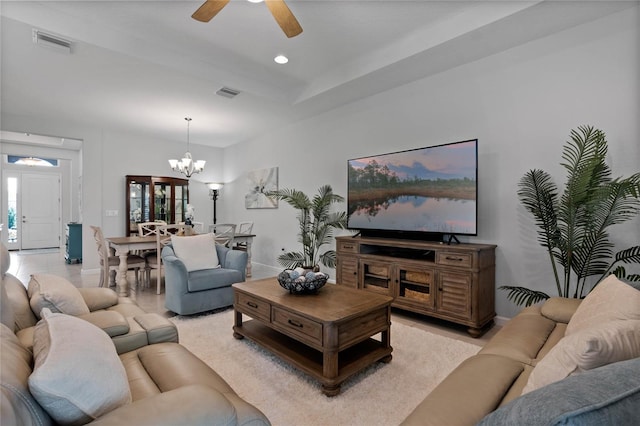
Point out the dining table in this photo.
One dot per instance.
(122, 247)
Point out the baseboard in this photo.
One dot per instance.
(501, 321)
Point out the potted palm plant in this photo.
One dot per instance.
(316, 223)
(573, 226)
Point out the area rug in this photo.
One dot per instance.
(383, 394)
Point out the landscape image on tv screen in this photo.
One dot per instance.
(430, 189)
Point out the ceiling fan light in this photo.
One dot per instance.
(281, 59)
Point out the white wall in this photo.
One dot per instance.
(520, 104)
(107, 157)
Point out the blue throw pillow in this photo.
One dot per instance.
(608, 395)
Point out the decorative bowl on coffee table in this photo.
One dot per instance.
(300, 281)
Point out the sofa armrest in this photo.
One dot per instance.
(193, 404)
(175, 272)
(471, 391)
(560, 309)
(98, 297)
(235, 259)
(158, 328)
(111, 322)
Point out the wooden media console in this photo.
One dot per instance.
(453, 282)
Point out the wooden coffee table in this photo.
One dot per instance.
(328, 335)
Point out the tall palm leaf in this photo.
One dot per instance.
(316, 223)
(574, 228)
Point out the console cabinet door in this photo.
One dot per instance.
(376, 276)
(415, 287)
(347, 271)
(454, 294)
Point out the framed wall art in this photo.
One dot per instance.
(259, 182)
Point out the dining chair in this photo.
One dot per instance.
(196, 228)
(243, 228)
(149, 228)
(146, 229)
(224, 233)
(109, 263)
(163, 236)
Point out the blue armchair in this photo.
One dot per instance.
(202, 290)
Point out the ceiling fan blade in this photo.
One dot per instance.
(284, 17)
(209, 9)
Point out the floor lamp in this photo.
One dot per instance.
(214, 189)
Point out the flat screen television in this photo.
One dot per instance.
(424, 193)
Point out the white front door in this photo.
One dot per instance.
(40, 214)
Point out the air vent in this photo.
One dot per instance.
(227, 92)
(49, 40)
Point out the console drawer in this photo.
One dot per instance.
(463, 260)
(296, 325)
(347, 247)
(253, 307)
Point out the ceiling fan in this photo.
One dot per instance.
(278, 8)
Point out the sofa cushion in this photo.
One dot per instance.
(522, 337)
(55, 293)
(560, 309)
(111, 322)
(182, 406)
(196, 252)
(98, 297)
(609, 395)
(77, 375)
(5, 260)
(590, 348)
(7, 316)
(611, 299)
(19, 300)
(212, 278)
(18, 405)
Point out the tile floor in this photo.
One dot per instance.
(51, 261)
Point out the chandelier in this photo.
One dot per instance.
(187, 165)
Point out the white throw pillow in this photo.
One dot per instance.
(612, 299)
(78, 375)
(55, 293)
(587, 349)
(197, 251)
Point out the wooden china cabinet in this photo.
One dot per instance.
(151, 198)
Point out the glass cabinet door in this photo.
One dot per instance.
(162, 202)
(138, 204)
(181, 201)
(151, 198)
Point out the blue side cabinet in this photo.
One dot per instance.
(73, 242)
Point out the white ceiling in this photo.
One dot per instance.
(142, 66)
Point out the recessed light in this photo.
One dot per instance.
(256, 1)
(281, 59)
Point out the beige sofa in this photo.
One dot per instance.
(496, 377)
(64, 369)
